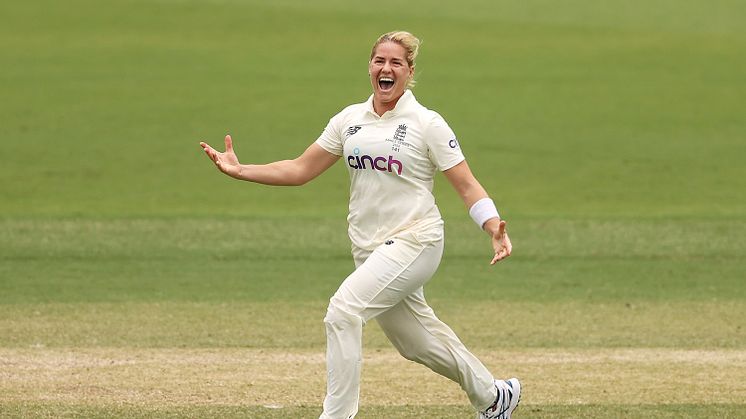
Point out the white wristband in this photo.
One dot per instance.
(483, 210)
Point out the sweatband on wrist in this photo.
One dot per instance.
(483, 210)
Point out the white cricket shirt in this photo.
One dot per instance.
(392, 160)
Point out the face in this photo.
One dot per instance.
(389, 73)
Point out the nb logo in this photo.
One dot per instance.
(389, 242)
(352, 130)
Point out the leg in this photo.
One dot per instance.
(383, 280)
(420, 336)
(344, 332)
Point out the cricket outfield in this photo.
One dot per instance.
(136, 281)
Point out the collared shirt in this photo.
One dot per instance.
(392, 160)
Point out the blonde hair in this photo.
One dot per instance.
(410, 44)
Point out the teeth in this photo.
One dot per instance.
(386, 79)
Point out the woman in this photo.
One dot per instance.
(392, 146)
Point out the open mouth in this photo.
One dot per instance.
(386, 83)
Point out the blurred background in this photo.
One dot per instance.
(611, 135)
(565, 109)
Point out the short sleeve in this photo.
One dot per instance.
(331, 138)
(443, 147)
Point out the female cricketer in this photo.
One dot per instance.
(392, 147)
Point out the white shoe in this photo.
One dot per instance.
(508, 396)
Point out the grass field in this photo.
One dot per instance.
(136, 281)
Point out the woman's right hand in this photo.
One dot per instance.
(226, 162)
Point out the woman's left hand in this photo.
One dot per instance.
(500, 240)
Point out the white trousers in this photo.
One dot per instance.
(387, 285)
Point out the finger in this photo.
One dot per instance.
(209, 150)
(501, 228)
(211, 153)
(498, 257)
(228, 143)
(206, 147)
(501, 254)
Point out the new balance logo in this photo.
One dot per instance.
(352, 131)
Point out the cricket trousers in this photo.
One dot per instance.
(387, 285)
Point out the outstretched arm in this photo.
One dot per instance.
(471, 191)
(313, 162)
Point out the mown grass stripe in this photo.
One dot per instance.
(261, 377)
(285, 324)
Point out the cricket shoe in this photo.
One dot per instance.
(508, 397)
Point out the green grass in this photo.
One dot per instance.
(305, 259)
(724, 411)
(570, 110)
(611, 135)
(287, 324)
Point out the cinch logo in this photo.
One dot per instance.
(376, 163)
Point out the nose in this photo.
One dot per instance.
(386, 67)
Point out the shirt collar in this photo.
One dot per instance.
(401, 104)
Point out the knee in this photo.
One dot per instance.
(338, 318)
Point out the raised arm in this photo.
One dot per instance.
(472, 192)
(313, 162)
